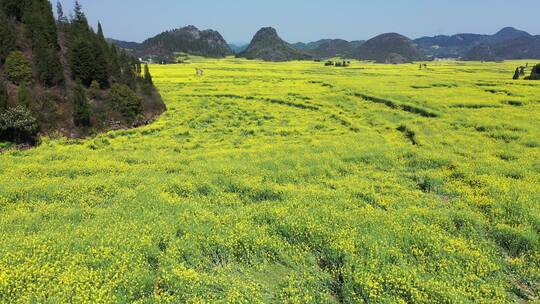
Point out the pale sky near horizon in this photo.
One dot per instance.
(310, 20)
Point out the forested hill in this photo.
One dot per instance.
(189, 39)
(61, 75)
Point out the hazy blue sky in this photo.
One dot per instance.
(309, 20)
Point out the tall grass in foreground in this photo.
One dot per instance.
(288, 183)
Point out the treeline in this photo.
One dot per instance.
(45, 61)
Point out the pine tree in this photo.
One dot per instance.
(100, 31)
(17, 68)
(14, 8)
(8, 37)
(81, 108)
(61, 18)
(114, 65)
(516, 74)
(47, 63)
(88, 52)
(82, 61)
(41, 29)
(101, 66)
(79, 21)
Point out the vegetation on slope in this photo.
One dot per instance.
(189, 39)
(58, 73)
(277, 183)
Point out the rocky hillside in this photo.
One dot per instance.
(389, 48)
(189, 39)
(62, 76)
(268, 46)
(459, 46)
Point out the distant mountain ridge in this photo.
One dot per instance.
(327, 48)
(127, 45)
(508, 43)
(310, 45)
(267, 45)
(500, 45)
(238, 47)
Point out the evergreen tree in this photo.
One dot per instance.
(79, 21)
(114, 65)
(100, 31)
(81, 108)
(14, 8)
(17, 68)
(82, 61)
(101, 64)
(61, 18)
(516, 74)
(88, 52)
(127, 69)
(41, 29)
(8, 37)
(147, 75)
(47, 63)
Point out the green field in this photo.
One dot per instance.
(288, 183)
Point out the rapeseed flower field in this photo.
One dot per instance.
(288, 183)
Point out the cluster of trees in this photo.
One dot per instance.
(31, 56)
(340, 64)
(520, 71)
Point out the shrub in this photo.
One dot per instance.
(535, 73)
(18, 125)
(17, 68)
(125, 101)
